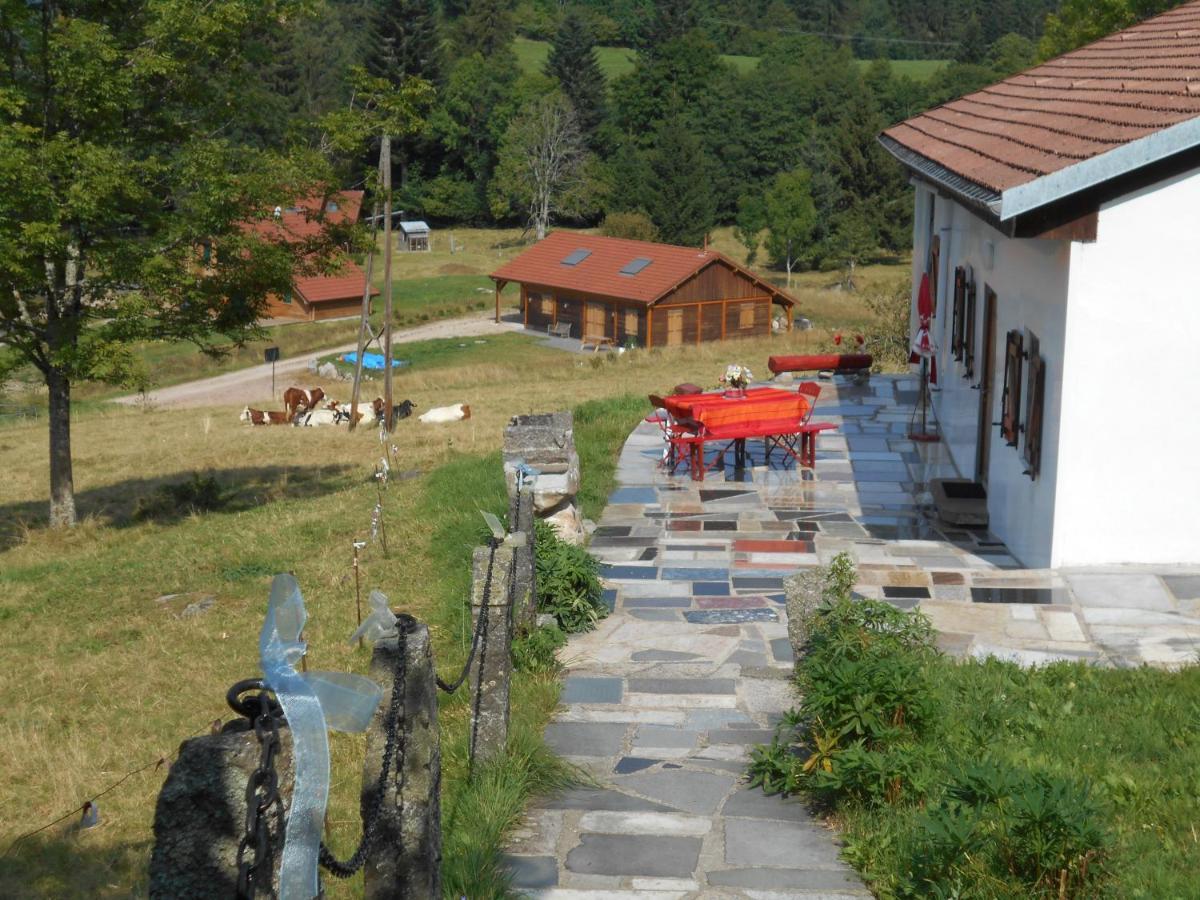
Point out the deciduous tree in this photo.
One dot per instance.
(791, 217)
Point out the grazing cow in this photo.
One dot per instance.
(298, 399)
(263, 417)
(399, 411)
(453, 413)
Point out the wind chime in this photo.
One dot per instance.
(922, 426)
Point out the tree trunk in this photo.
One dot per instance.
(62, 481)
(789, 265)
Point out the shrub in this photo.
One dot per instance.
(535, 652)
(568, 582)
(633, 225)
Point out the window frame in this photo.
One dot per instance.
(969, 329)
(1010, 400)
(1035, 405)
(959, 313)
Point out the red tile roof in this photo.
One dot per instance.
(346, 283)
(1079, 106)
(304, 219)
(600, 272)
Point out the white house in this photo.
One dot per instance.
(1058, 218)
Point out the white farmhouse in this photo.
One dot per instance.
(1057, 216)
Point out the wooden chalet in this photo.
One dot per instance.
(653, 295)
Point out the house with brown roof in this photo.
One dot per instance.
(335, 294)
(641, 293)
(1057, 219)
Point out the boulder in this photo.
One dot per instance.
(329, 370)
(568, 523)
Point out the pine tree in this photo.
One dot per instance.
(488, 28)
(680, 197)
(573, 62)
(673, 19)
(409, 43)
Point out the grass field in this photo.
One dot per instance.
(101, 678)
(617, 61)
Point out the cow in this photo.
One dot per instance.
(446, 414)
(399, 411)
(298, 399)
(314, 417)
(263, 417)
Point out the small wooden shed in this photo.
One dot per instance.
(414, 235)
(651, 295)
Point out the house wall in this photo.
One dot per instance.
(335, 309)
(1030, 279)
(275, 308)
(1129, 489)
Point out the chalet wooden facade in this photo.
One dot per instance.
(639, 293)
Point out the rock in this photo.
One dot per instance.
(329, 370)
(804, 592)
(568, 523)
(545, 441)
(803, 323)
(550, 490)
(312, 365)
(545, 620)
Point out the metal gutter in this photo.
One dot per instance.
(1099, 169)
(968, 191)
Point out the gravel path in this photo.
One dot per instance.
(253, 385)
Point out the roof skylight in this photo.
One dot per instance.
(636, 265)
(576, 257)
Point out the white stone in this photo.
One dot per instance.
(645, 823)
(1062, 626)
(568, 524)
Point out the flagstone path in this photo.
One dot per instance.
(663, 701)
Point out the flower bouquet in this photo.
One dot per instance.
(736, 379)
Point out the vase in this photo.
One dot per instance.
(735, 394)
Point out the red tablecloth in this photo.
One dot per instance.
(718, 411)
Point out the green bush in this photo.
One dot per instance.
(535, 652)
(568, 582)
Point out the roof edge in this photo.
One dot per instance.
(716, 256)
(964, 189)
(1092, 172)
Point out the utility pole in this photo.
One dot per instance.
(385, 162)
(364, 329)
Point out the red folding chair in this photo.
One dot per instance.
(680, 437)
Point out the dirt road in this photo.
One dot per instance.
(253, 385)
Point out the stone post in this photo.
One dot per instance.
(200, 817)
(491, 668)
(546, 442)
(405, 858)
(524, 590)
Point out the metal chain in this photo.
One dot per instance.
(480, 627)
(262, 788)
(392, 733)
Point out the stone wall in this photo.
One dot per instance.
(546, 442)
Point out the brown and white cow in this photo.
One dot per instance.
(264, 417)
(298, 399)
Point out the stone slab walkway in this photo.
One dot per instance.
(664, 699)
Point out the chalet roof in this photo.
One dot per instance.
(348, 282)
(623, 269)
(1087, 117)
(305, 218)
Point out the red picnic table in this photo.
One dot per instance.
(780, 417)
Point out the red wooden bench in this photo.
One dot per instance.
(842, 363)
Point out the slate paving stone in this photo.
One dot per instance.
(803, 882)
(647, 495)
(643, 855)
(747, 659)
(729, 616)
(648, 554)
(627, 765)
(532, 872)
(903, 592)
(687, 573)
(758, 582)
(608, 597)
(711, 589)
(781, 649)
(1184, 587)
(1016, 595)
(703, 719)
(655, 615)
(604, 531)
(682, 686)
(763, 842)
(741, 736)
(664, 736)
(578, 689)
(683, 789)
(585, 738)
(720, 526)
(663, 656)
(1127, 591)
(730, 602)
(752, 803)
(602, 798)
(628, 573)
(657, 603)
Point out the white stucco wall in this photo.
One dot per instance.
(1030, 279)
(1129, 484)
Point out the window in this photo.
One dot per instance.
(287, 296)
(635, 266)
(543, 302)
(1010, 403)
(960, 312)
(576, 257)
(969, 332)
(1033, 410)
(331, 206)
(207, 253)
(746, 315)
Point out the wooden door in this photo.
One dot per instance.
(593, 323)
(987, 380)
(631, 324)
(674, 327)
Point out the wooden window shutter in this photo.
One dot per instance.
(1033, 411)
(935, 254)
(746, 315)
(959, 313)
(969, 333)
(1010, 420)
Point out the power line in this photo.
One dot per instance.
(835, 36)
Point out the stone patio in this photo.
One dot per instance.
(664, 700)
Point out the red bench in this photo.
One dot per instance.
(821, 362)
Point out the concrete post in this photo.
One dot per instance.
(200, 817)
(405, 858)
(491, 668)
(525, 581)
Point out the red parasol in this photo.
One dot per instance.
(924, 349)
